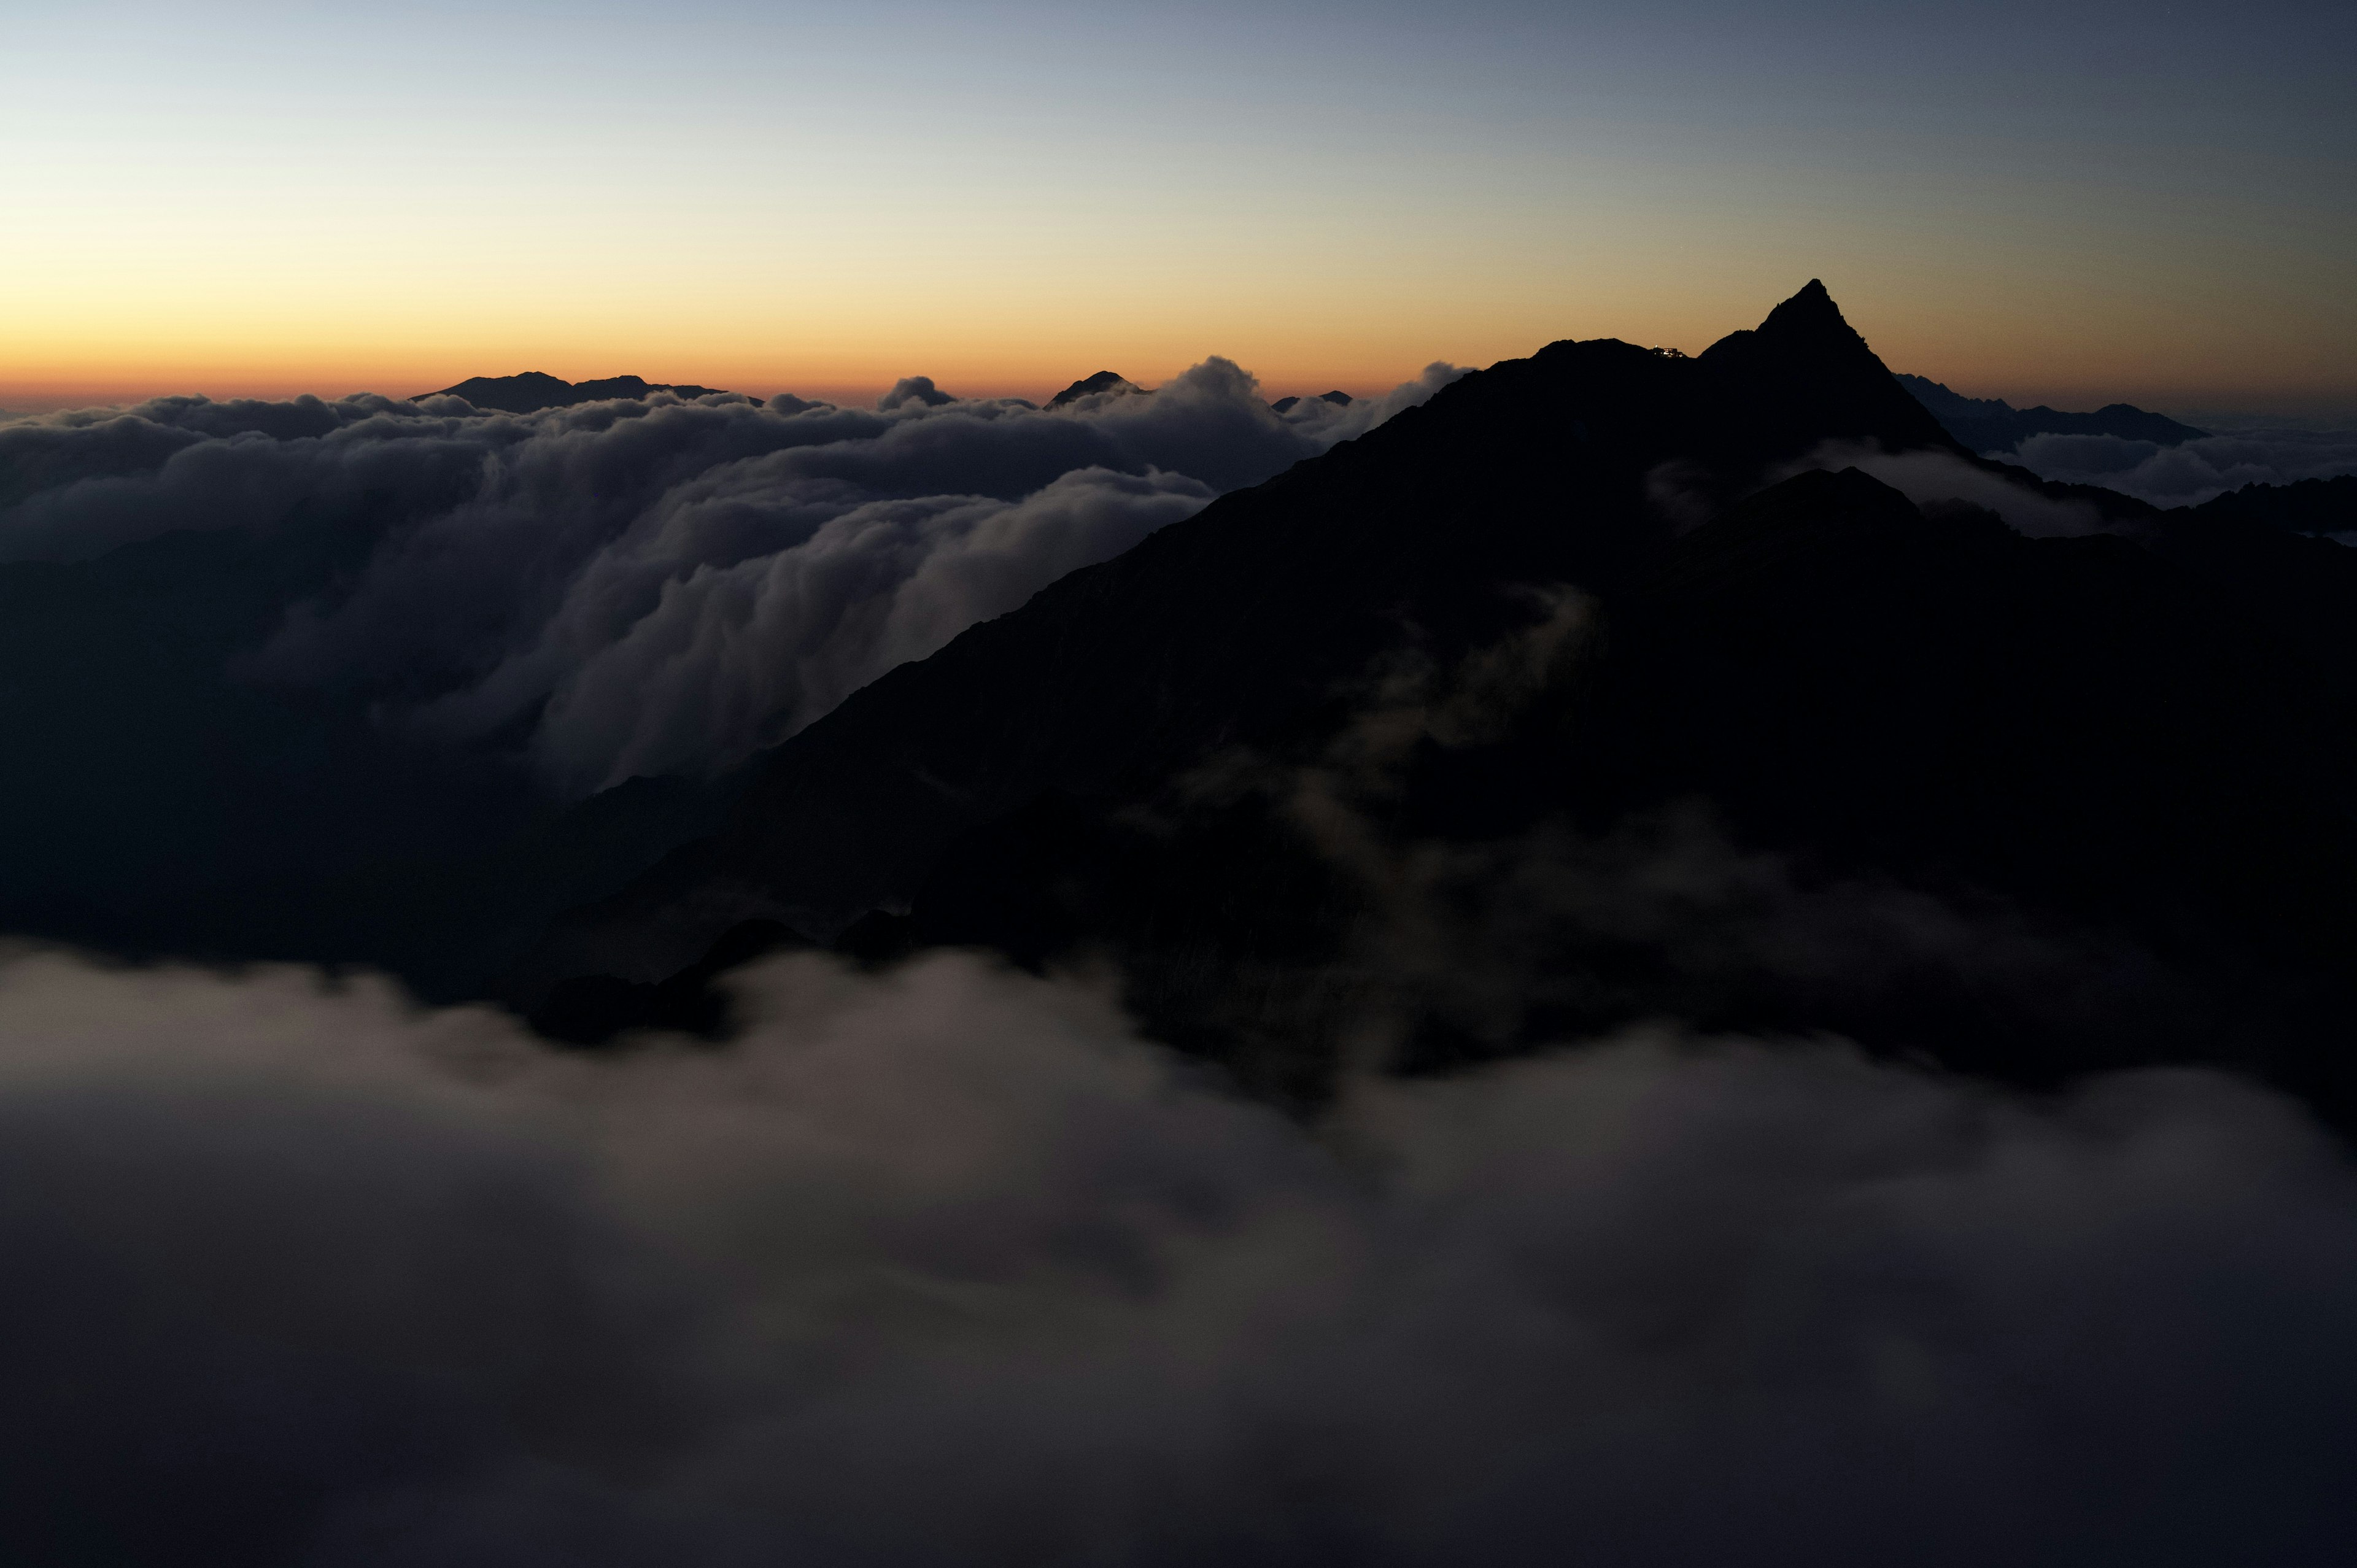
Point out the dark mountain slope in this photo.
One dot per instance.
(2304, 506)
(1940, 698)
(2031, 807)
(2295, 585)
(1242, 625)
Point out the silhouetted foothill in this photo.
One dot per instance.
(2305, 506)
(1338, 399)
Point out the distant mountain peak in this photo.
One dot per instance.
(1090, 386)
(1338, 399)
(532, 390)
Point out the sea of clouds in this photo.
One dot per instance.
(661, 586)
(946, 1265)
(2196, 471)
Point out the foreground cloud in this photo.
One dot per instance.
(647, 587)
(946, 1266)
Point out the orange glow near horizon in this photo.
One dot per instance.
(279, 198)
(92, 380)
(2013, 350)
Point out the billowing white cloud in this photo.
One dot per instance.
(666, 585)
(945, 1266)
(732, 657)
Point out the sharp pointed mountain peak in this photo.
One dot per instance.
(1805, 356)
(1808, 322)
(1810, 313)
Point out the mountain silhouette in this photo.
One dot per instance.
(1090, 386)
(2136, 740)
(1241, 622)
(2304, 506)
(1993, 424)
(1338, 399)
(535, 390)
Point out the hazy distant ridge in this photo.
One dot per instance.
(1993, 424)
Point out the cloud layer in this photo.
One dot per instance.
(2194, 472)
(1928, 477)
(649, 586)
(944, 1265)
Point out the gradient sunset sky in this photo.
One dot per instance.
(2070, 204)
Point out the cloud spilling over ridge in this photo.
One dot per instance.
(605, 562)
(730, 655)
(1927, 477)
(945, 1266)
(2193, 473)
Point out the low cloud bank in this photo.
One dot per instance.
(584, 571)
(945, 1266)
(2193, 473)
(1927, 477)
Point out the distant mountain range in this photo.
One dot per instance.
(1113, 382)
(1992, 424)
(1982, 424)
(2305, 506)
(534, 389)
